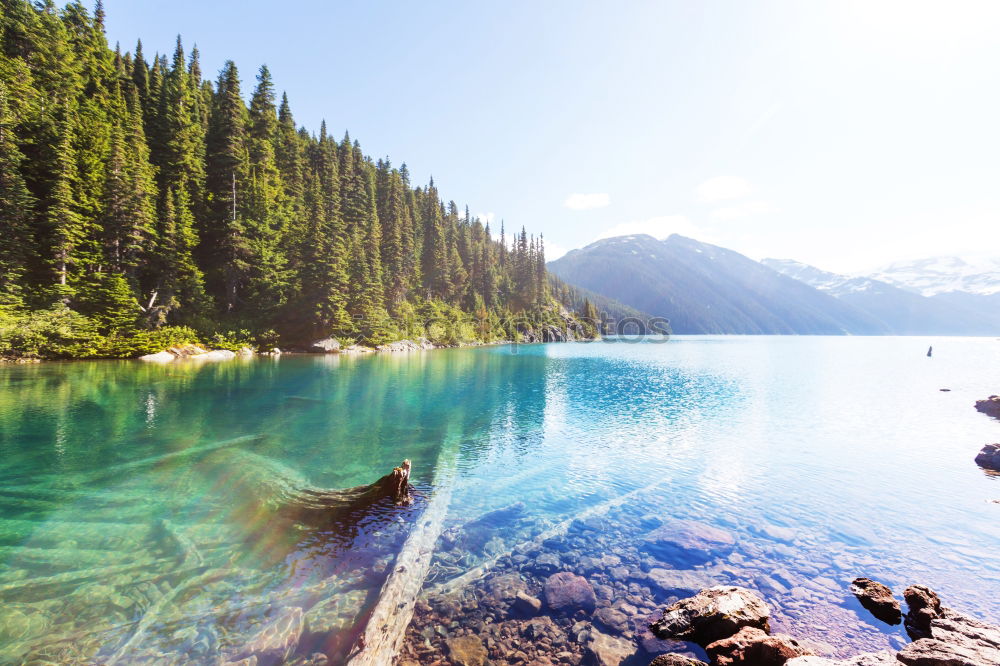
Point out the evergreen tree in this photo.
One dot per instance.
(139, 194)
(16, 211)
(225, 247)
(65, 225)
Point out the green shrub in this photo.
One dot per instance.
(57, 332)
(231, 340)
(133, 343)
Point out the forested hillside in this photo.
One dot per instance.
(142, 204)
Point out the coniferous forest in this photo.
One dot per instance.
(144, 204)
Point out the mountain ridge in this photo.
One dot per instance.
(703, 288)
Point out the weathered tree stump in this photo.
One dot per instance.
(262, 488)
(312, 506)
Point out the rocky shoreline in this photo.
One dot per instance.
(332, 346)
(573, 621)
(597, 593)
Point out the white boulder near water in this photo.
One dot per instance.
(193, 353)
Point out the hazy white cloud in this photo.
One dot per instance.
(745, 209)
(487, 218)
(657, 227)
(723, 188)
(554, 251)
(587, 201)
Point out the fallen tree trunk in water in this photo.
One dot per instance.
(262, 487)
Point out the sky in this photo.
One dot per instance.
(844, 134)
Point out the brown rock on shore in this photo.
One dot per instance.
(989, 457)
(754, 647)
(878, 599)
(924, 606)
(990, 406)
(712, 614)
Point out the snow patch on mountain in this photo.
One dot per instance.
(939, 275)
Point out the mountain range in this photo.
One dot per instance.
(706, 289)
(901, 308)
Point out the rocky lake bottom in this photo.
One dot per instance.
(578, 489)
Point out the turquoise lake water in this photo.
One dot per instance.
(133, 519)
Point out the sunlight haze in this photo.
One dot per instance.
(845, 135)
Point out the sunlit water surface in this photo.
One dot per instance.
(134, 497)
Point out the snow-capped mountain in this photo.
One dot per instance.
(939, 275)
(832, 283)
(903, 311)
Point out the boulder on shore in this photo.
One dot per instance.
(406, 346)
(754, 647)
(955, 639)
(325, 346)
(214, 355)
(990, 406)
(923, 606)
(187, 350)
(877, 599)
(688, 542)
(159, 357)
(989, 457)
(711, 615)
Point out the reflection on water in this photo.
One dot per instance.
(139, 504)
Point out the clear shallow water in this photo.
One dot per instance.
(133, 521)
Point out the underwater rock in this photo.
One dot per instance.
(679, 581)
(676, 660)
(526, 605)
(466, 651)
(688, 542)
(712, 614)
(867, 659)
(277, 641)
(476, 534)
(546, 563)
(989, 457)
(923, 606)
(754, 647)
(612, 619)
(19, 623)
(568, 592)
(877, 599)
(604, 650)
(990, 406)
(506, 587)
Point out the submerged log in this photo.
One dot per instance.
(262, 487)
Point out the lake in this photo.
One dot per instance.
(134, 522)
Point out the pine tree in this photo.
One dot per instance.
(16, 211)
(225, 247)
(436, 269)
(65, 226)
(133, 186)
